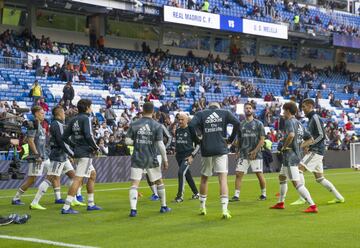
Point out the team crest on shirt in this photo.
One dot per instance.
(185, 134)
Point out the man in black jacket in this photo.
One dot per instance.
(68, 93)
(185, 152)
(84, 147)
(212, 124)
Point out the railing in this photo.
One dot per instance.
(10, 62)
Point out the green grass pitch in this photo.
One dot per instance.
(253, 223)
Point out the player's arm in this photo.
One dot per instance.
(289, 129)
(308, 140)
(30, 137)
(159, 143)
(168, 136)
(66, 135)
(89, 135)
(196, 124)
(316, 127)
(236, 124)
(56, 132)
(253, 153)
(129, 140)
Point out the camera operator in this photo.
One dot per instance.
(4, 141)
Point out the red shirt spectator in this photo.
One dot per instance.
(349, 126)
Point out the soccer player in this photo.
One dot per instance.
(152, 185)
(251, 138)
(313, 159)
(185, 152)
(36, 137)
(295, 133)
(59, 161)
(212, 123)
(146, 135)
(84, 147)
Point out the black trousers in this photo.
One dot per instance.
(184, 173)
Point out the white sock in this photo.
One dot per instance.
(18, 194)
(154, 189)
(162, 195)
(41, 191)
(237, 193)
(305, 194)
(224, 199)
(133, 197)
(263, 192)
(78, 191)
(91, 199)
(68, 201)
(283, 190)
(57, 193)
(302, 181)
(329, 186)
(202, 199)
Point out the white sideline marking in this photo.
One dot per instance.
(43, 241)
(175, 185)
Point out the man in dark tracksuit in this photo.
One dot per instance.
(185, 152)
(314, 154)
(212, 124)
(84, 147)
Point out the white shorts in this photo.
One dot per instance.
(291, 172)
(84, 167)
(313, 162)
(153, 173)
(244, 164)
(36, 170)
(57, 168)
(217, 164)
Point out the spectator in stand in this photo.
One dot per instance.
(349, 126)
(110, 116)
(205, 6)
(217, 89)
(43, 104)
(226, 4)
(36, 91)
(83, 68)
(101, 43)
(267, 97)
(104, 149)
(68, 92)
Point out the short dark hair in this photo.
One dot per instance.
(291, 107)
(148, 107)
(309, 101)
(248, 103)
(83, 105)
(55, 110)
(35, 109)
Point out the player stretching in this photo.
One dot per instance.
(313, 159)
(84, 146)
(251, 139)
(37, 143)
(146, 135)
(293, 142)
(212, 124)
(185, 152)
(58, 161)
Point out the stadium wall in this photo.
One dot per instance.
(117, 169)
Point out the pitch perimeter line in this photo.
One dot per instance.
(173, 185)
(44, 241)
